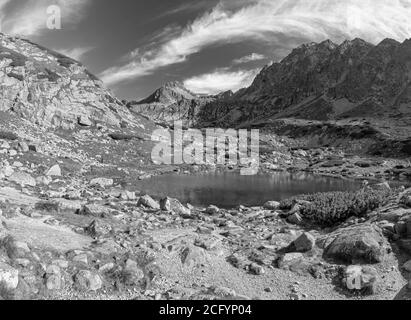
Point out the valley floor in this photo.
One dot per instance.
(74, 227)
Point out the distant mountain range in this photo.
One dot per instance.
(317, 81)
(174, 102)
(324, 81)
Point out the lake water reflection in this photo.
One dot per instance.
(228, 190)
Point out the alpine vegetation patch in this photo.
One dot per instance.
(212, 146)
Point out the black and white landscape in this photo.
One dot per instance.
(321, 212)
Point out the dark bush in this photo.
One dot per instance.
(15, 76)
(18, 60)
(329, 209)
(49, 75)
(7, 135)
(47, 206)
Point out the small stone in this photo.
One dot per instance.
(272, 205)
(81, 258)
(132, 274)
(54, 171)
(63, 264)
(128, 196)
(22, 146)
(295, 218)
(385, 186)
(88, 281)
(148, 202)
(85, 121)
(238, 261)
(289, 258)
(107, 267)
(256, 269)
(102, 182)
(98, 228)
(212, 210)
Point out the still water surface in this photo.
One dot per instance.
(228, 190)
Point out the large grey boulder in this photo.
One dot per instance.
(360, 243)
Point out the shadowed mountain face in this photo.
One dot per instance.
(324, 81)
(174, 102)
(52, 90)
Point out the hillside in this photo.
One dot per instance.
(52, 90)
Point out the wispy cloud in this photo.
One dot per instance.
(250, 58)
(76, 53)
(29, 17)
(220, 80)
(266, 21)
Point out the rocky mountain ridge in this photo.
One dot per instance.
(325, 81)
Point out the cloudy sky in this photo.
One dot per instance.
(210, 45)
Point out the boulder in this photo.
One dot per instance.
(304, 243)
(360, 243)
(95, 210)
(23, 179)
(15, 249)
(170, 204)
(148, 202)
(9, 277)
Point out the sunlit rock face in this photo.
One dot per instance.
(52, 90)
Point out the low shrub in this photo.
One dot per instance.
(7, 135)
(331, 208)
